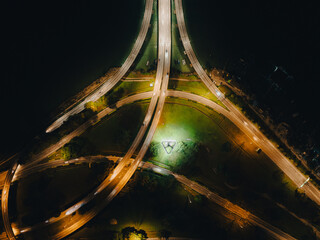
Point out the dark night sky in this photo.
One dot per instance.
(53, 49)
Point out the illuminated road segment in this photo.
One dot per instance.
(241, 121)
(109, 84)
(226, 204)
(69, 221)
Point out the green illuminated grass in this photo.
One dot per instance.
(115, 133)
(214, 152)
(188, 127)
(129, 88)
(189, 76)
(225, 160)
(194, 87)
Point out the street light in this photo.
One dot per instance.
(305, 182)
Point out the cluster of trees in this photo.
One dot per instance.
(154, 183)
(43, 141)
(74, 121)
(114, 96)
(106, 100)
(131, 232)
(98, 105)
(78, 147)
(166, 203)
(300, 138)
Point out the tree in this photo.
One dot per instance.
(165, 234)
(131, 231)
(142, 234)
(113, 97)
(126, 232)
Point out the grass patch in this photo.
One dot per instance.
(236, 100)
(122, 90)
(43, 195)
(115, 133)
(77, 147)
(191, 77)
(187, 125)
(227, 162)
(194, 87)
(139, 74)
(158, 204)
(131, 88)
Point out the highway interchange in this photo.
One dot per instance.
(70, 220)
(242, 122)
(226, 204)
(125, 169)
(122, 172)
(108, 85)
(29, 169)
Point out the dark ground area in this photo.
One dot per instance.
(51, 51)
(249, 39)
(158, 204)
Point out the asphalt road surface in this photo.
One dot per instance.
(226, 204)
(109, 84)
(11, 172)
(31, 168)
(242, 122)
(70, 219)
(276, 233)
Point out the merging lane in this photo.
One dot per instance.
(71, 219)
(126, 173)
(276, 233)
(12, 170)
(241, 121)
(21, 172)
(53, 148)
(109, 84)
(102, 114)
(226, 204)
